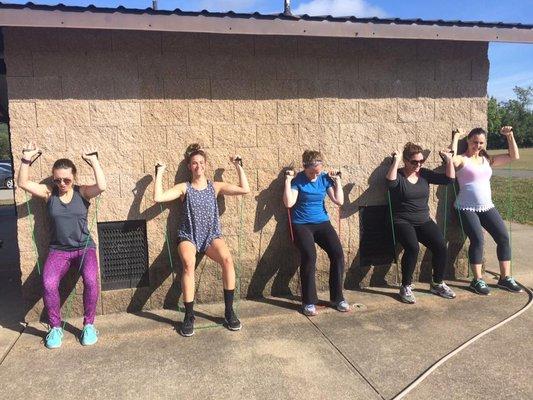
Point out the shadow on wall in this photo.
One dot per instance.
(279, 260)
(155, 65)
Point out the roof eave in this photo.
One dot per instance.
(254, 26)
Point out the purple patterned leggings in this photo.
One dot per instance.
(56, 266)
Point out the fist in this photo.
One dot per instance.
(289, 174)
(506, 130)
(30, 151)
(160, 168)
(236, 160)
(90, 155)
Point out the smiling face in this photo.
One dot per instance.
(476, 143)
(63, 178)
(197, 165)
(312, 172)
(414, 163)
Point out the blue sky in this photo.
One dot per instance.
(511, 64)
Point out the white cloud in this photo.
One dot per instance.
(341, 8)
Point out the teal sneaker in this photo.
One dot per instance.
(54, 338)
(89, 336)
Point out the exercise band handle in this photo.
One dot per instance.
(94, 153)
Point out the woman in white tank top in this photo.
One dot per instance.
(477, 211)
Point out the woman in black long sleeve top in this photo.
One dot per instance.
(409, 192)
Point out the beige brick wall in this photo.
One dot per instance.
(140, 97)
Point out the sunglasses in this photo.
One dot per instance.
(66, 181)
(417, 162)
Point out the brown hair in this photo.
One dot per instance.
(64, 163)
(310, 157)
(410, 149)
(193, 150)
(479, 131)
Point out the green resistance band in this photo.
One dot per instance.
(393, 239)
(32, 223)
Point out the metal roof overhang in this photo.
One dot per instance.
(229, 24)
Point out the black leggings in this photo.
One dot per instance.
(493, 223)
(430, 236)
(323, 234)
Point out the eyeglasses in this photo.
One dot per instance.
(66, 181)
(417, 162)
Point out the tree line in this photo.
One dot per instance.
(517, 113)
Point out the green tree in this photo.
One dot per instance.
(515, 112)
(5, 152)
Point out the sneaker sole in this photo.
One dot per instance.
(309, 314)
(52, 347)
(407, 301)
(89, 344)
(186, 334)
(441, 295)
(510, 290)
(478, 292)
(233, 329)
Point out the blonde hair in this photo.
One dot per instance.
(193, 150)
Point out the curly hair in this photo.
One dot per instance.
(311, 157)
(410, 149)
(193, 150)
(64, 163)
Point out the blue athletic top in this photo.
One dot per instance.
(310, 207)
(200, 222)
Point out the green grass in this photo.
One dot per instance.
(518, 205)
(524, 163)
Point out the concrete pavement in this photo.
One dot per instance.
(371, 353)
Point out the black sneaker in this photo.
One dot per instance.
(508, 283)
(187, 326)
(232, 322)
(480, 287)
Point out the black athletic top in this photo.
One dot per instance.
(69, 222)
(410, 200)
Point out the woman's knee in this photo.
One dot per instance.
(188, 267)
(226, 261)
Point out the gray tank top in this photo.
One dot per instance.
(69, 222)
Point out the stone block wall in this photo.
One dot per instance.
(142, 97)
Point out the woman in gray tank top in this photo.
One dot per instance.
(71, 243)
(199, 229)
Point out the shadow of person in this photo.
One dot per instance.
(279, 260)
(167, 263)
(375, 234)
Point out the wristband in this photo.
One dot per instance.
(24, 161)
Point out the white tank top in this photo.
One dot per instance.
(474, 186)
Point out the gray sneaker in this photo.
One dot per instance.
(442, 290)
(480, 287)
(406, 294)
(342, 306)
(508, 283)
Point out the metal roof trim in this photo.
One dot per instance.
(91, 17)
